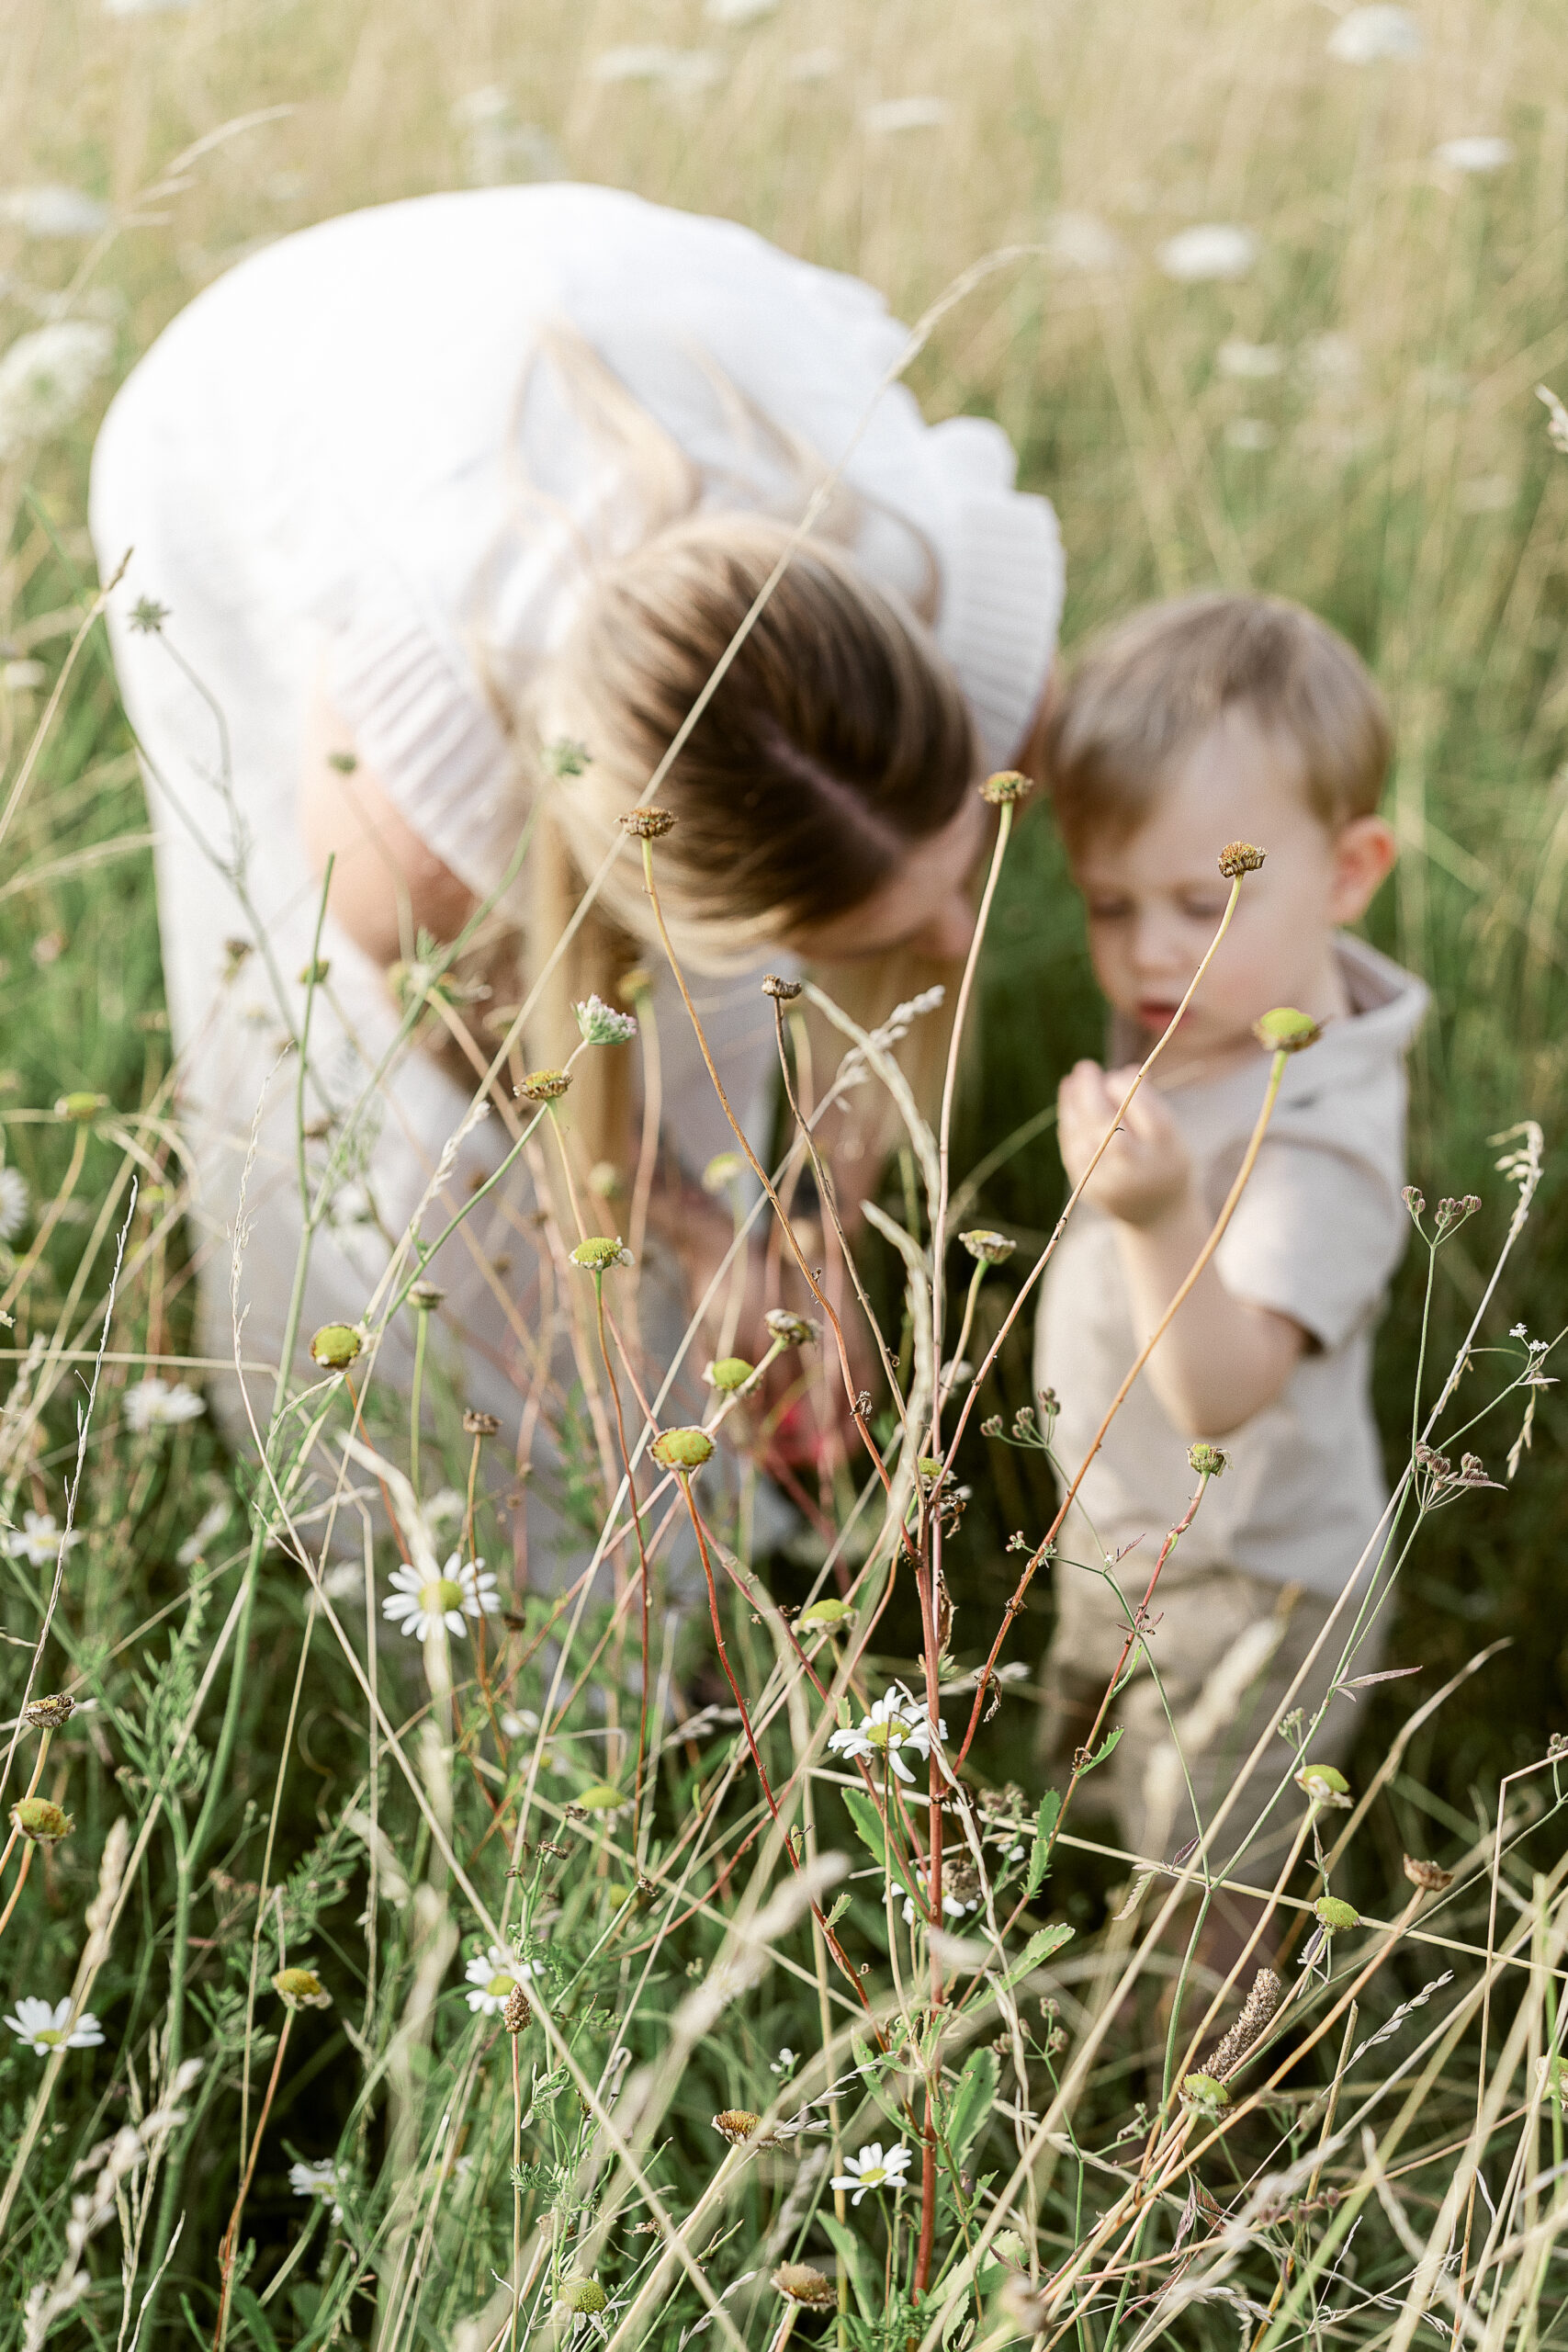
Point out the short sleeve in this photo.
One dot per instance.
(1316, 1236)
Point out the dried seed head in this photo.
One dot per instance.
(1285, 1031)
(599, 1253)
(736, 2124)
(301, 1988)
(647, 824)
(1239, 858)
(988, 1249)
(584, 2295)
(1430, 1877)
(45, 1823)
(799, 2283)
(543, 1086)
(1336, 1916)
(516, 2016)
(684, 1449)
(1259, 2006)
(476, 1424)
(424, 1297)
(729, 1373)
(783, 991)
(1208, 1461)
(1005, 787)
(81, 1106)
(794, 1330)
(335, 1345)
(49, 1713)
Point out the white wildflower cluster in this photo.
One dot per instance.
(600, 1025)
(47, 378)
(888, 116)
(1209, 250)
(317, 2178)
(161, 1405)
(464, 1588)
(896, 1728)
(37, 1540)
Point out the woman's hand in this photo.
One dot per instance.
(1145, 1173)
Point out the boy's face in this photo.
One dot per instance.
(1154, 900)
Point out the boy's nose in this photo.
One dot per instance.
(1157, 951)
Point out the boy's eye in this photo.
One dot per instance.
(1109, 910)
(1207, 910)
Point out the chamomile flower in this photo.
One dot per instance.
(161, 1405)
(39, 1539)
(954, 1906)
(897, 1727)
(317, 2179)
(46, 2026)
(495, 1976)
(420, 1604)
(873, 2168)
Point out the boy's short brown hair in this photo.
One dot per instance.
(1154, 684)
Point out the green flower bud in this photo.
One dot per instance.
(301, 1988)
(794, 1330)
(81, 1106)
(722, 1170)
(823, 1613)
(335, 1345)
(1007, 786)
(1324, 1784)
(1207, 1459)
(1284, 1031)
(1205, 2092)
(584, 2295)
(599, 1797)
(598, 1253)
(44, 1823)
(729, 1373)
(1336, 1916)
(684, 1449)
(987, 1247)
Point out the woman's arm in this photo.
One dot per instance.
(386, 885)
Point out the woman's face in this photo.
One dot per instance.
(924, 905)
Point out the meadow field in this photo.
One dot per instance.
(383, 1992)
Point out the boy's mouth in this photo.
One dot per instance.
(1156, 1015)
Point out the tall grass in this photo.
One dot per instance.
(263, 1781)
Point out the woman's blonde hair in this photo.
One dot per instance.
(837, 738)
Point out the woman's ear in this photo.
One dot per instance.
(1364, 851)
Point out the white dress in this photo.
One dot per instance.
(320, 470)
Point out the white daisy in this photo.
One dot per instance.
(37, 1540)
(495, 1976)
(161, 1405)
(873, 2168)
(896, 1725)
(46, 2027)
(13, 1203)
(462, 1590)
(316, 2179)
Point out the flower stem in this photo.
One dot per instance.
(227, 2250)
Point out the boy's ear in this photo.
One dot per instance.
(1364, 852)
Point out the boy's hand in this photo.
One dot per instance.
(1145, 1173)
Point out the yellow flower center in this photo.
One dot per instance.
(891, 1734)
(52, 2034)
(439, 1595)
(499, 1986)
(873, 2176)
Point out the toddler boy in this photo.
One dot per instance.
(1193, 724)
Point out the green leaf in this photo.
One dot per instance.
(971, 2100)
(1045, 1826)
(255, 2319)
(846, 2245)
(841, 1905)
(869, 1830)
(1103, 1750)
(1039, 1949)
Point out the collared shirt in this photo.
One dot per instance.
(1315, 1236)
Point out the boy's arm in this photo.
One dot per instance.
(1222, 1360)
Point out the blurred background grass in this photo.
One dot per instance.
(1351, 421)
